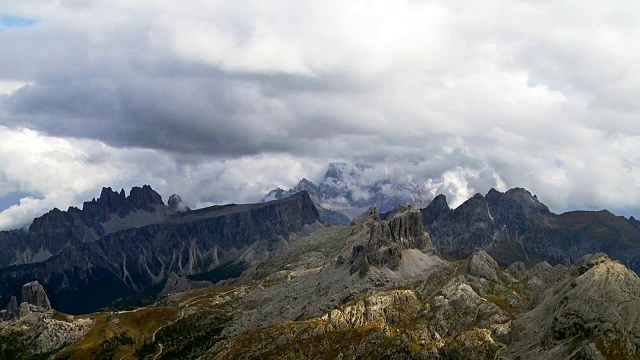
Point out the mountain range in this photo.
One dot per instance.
(119, 246)
(515, 226)
(500, 276)
(511, 226)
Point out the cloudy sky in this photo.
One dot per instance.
(221, 101)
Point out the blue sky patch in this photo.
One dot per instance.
(16, 21)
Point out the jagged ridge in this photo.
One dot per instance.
(138, 260)
(515, 226)
(111, 212)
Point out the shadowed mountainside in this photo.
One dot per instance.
(53, 231)
(139, 259)
(515, 226)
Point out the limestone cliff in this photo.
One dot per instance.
(135, 260)
(400, 230)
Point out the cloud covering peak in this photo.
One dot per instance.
(221, 101)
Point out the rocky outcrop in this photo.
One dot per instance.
(46, 333)
(12, 311)
(482, 265)
(34, 324)
(592, 311)
(33, 293)
(387, 307)
(457, 308)
(401, 230)
(516, 226)
(176, 284)
(517, 270)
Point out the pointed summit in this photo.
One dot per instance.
(144, 198)
(435, 209)
(33, 293)
(494, 196)
(401, 230)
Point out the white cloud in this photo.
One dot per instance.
(233, 98)
(28, 208)
(66, 172)
(7, 87)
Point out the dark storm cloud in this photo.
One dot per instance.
(198, 110)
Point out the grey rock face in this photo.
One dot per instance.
(516, 226)
(593, 310)
(13, 310)
(53, 231)
(401, 230)
(482, 265)
(437, 208)
(131, 261)
(33, 293)
(517, 270)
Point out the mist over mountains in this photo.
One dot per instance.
(346, 191)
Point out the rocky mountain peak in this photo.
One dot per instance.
(144, 198)
(494, 196)
(482, 222)
(99, 210)
(402, 229)
(349, 189)
(482, 265)
(475, 208)
(111, 199)
(515, 201)
(305, 184)
(33, 293)
(435, 209)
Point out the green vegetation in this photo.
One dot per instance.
(110, 345)
(191, 336)
(146, 349)
(13, 345)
